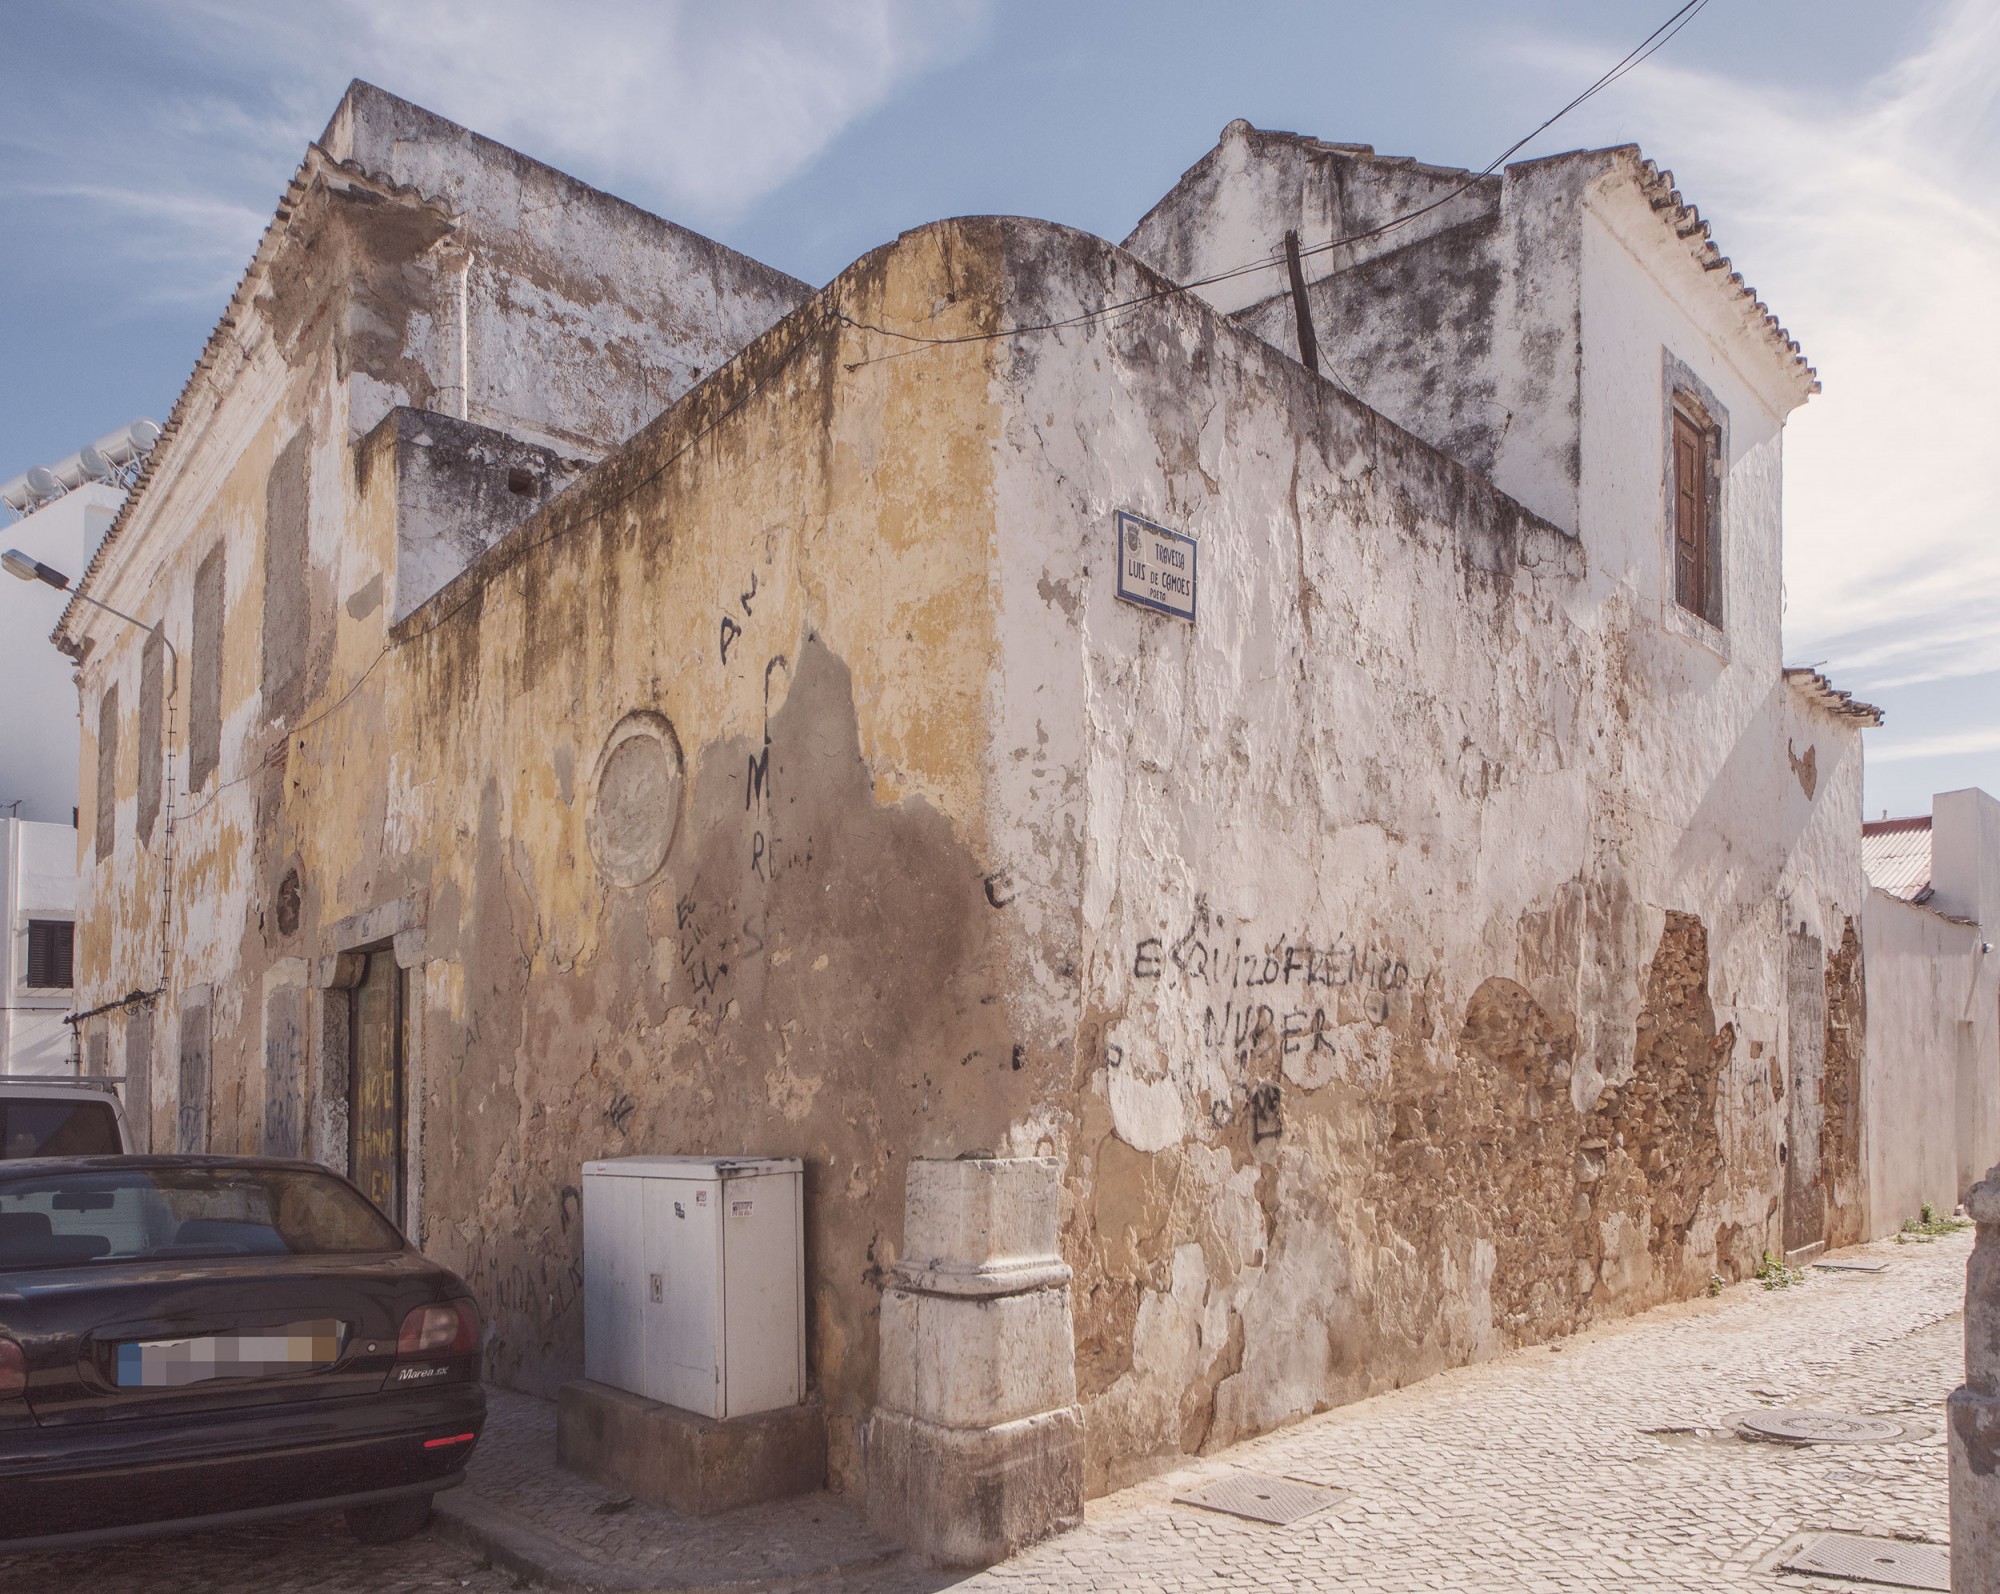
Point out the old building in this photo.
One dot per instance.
(635, 704)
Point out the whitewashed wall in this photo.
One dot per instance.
(1416, 734)
(1922, 981)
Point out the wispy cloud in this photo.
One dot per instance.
(699, 108)
(1985, 739)
(704, 107)
(691, 109)
(1872, 225)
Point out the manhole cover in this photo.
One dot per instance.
(1819, 1427)
(1865, 1560)
(1262, 1499)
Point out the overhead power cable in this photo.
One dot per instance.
(1276, 260)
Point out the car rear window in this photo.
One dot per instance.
(58, 1129)
(72, 1219)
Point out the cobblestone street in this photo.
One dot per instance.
(315, 1555)
(1538, 1472)
(1598, 1464)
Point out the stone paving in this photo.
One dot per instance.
(533, 1517)
(313, 1555)
(1597, 1464)
(1602, 1463)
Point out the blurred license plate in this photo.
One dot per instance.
(287, 1348)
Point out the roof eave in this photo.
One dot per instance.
(318, 167)
(1816, 689)
(1687, 224)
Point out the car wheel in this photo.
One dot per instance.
(391, 1521)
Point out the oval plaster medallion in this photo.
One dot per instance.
(636, 799)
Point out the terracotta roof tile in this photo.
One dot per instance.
(1817, 689)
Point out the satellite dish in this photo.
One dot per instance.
(42, 482)
(127, 443)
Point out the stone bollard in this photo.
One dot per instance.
(976, 1444)
(1974, 1408)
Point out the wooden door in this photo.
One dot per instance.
(375, 1084)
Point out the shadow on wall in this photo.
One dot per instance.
(1710, 852)
(806, 971)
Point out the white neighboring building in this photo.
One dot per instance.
(38, 729)
(1933, 1079)
(68, 513)
(38, 886)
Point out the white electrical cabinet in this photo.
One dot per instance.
(694, 1280)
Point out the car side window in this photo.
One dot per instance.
(58, 1129)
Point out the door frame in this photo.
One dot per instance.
(399, 1068)
(397, 927)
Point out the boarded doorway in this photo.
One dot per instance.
(375, 1104)
(1805, 1030)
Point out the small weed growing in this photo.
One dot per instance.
(1774, 1275)
(1714, 1284)
(1928, 1225)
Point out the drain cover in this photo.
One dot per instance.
(1262, 1499)
(1865, 1560)
(1850, 1267)
(1820, 1427)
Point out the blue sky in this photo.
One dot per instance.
(1844, 150)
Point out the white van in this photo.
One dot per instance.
(61, 1115)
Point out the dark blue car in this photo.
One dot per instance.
(194, 1342)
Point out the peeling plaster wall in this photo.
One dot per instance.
(777, 936)
(581, 318)
(1460, 324)
(460, 488)
(1427, 893)
(551, 310)
(1468, 309)
(1237, 202)
(770, 932)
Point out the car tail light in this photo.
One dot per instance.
(13, 1369)
(446, 1330)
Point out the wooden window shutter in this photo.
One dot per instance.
(50, 953)
(1691, 528)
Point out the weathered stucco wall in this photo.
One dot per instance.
(1430, 896)
(1468, 308)
(546, 307)
(410, 263)
(672, 808)
(814, 968)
